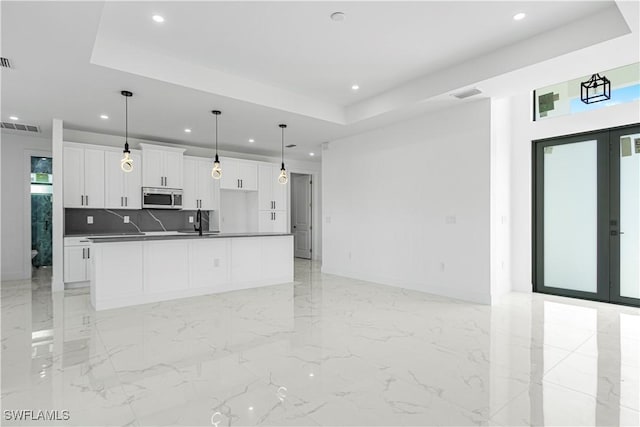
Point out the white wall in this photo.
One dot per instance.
(16, 254)
(501, 140)
(390, 197)
(523, 131)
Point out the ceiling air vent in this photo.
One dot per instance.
(19, 127)
(467, 93)
(4, 62)
(290, 145)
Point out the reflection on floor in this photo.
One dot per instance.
(324, 351)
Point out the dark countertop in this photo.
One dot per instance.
(177, 236)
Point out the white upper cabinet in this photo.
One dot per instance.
(83, 177)
(162, 166)
(271, 194)
(122, 189)
(239, 174)
(201, 191)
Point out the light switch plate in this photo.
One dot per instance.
(126, 219)
(89, 219)
(450, 219)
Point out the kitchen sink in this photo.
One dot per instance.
(204, 233)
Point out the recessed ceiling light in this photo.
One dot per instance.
(159, 19)
(355, 87)
(519, 16)
(187, 130)
(13, 118)
(104, 116)
(252, 140)
(312, 154)
(338, 16)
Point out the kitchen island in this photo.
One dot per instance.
(140, 269)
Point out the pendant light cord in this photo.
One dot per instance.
(282, 151)
(216, 135)
(126, 122)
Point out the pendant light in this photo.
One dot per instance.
(126, 164)
(283, 178)
(216, 172)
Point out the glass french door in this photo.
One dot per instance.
(587, 215)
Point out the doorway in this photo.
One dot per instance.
(41, 188)
(586, 217)
(301, 214)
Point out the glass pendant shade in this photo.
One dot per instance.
(283, 178)
(216, 172)
(126, 164)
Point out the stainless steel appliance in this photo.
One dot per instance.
(161, 198)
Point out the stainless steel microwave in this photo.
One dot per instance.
(161, 198)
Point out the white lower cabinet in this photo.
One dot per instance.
(117, 272)
(276, 257)
(130, 273)
(209, 263)
(77, 259)
(245, 259)
(166, 266)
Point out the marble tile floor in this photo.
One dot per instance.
(325, 350)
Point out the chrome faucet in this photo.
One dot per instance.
(199, 222)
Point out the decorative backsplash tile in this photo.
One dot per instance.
(112, 221)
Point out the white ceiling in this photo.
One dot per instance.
(263, 63)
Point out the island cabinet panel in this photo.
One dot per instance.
(276, 259)
(137, 272)
(166, 266)
(116, 272)
(245, 259)
(209, 263)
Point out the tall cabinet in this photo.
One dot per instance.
(162, 166)
(272, 200)
(83, 176)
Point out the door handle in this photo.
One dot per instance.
(86, 199)
(121, 201)
(83, 251)
(88, 253)
(294, 226)
(126, 200)
(81, 200)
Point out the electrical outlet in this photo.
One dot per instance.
(328, 220)
(442, 266)
(190, 220)
(126, 219)
(89, 219)
(450, 219)
(216, 262)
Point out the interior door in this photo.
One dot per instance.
(301, 215)
(586, 215)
